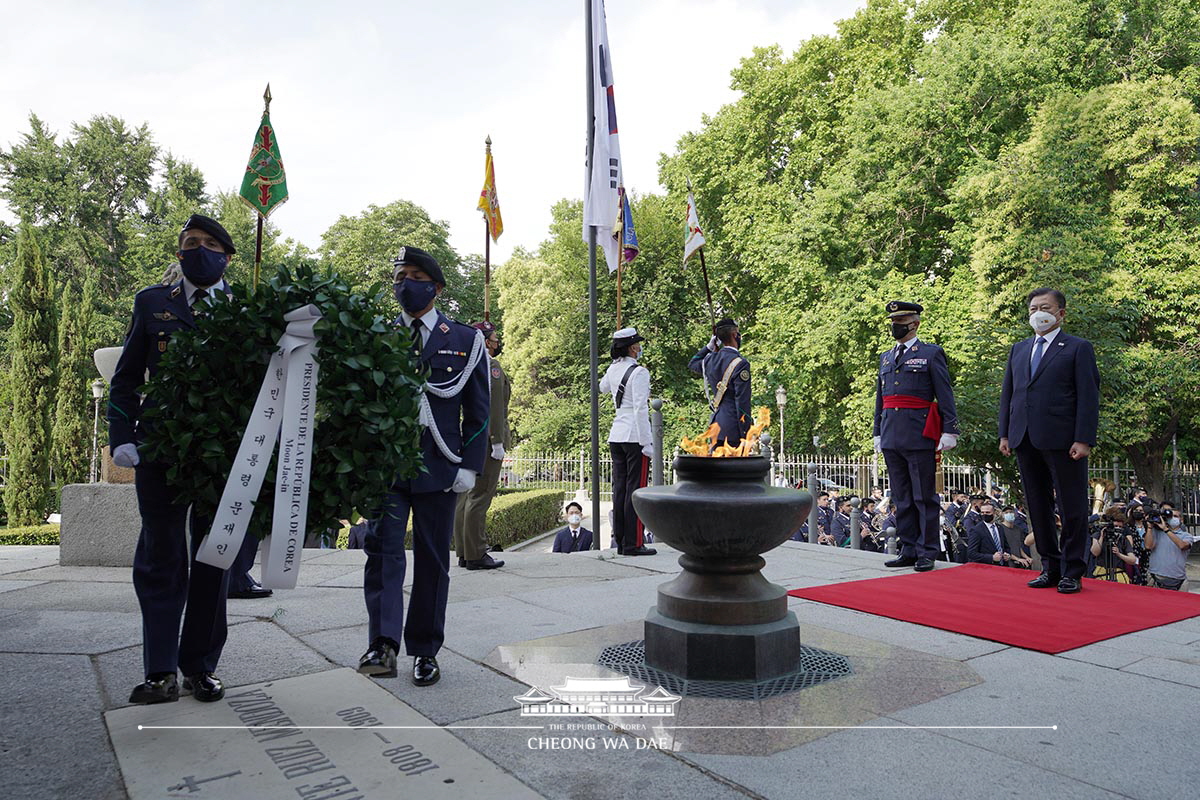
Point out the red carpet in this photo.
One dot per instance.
(994, 603)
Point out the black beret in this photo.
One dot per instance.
(211, 226)
(416, 257)
(899, 308)
(725, 322)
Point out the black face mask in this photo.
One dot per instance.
(988, 517)
(1137, 515)
(900, 330)
(499, 349)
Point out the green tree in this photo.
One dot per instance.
(361, 248)
(27, 438)
(71, 434)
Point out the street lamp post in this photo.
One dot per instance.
(97, 393)
(781, 401)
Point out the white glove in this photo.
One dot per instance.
(464, 481)
(498, 452)
(126, 455)
(713, 344)
(878, 444)
(648, 451)
(948, 441)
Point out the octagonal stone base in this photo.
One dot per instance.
(697, 651)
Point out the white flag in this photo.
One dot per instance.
(601, 179)
(695, 239)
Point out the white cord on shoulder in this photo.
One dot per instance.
(446, 390)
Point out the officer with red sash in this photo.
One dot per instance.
(914, 418)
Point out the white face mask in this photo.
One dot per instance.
(574, 519)
(1042, 321)
(1010, 517)
(1174, 523)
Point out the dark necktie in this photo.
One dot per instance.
(899, 352)
(575, 540)
(1037, 356)
(996, 538)
(199, 295)
(416, 332)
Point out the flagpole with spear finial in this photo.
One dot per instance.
(487, 248)
(258, 234)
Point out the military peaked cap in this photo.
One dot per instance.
(210, 226)
(899, 308)
(626, 337)
(416, 257)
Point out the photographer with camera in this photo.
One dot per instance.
(1111, 554)
(1168, 543)
(1138, 526)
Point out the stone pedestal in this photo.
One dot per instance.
(704, 652)
(100, 525)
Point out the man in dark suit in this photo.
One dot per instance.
(726, 373)
(914, 418)
(470, 517)
(454, 418)
(987, 543)
(1049, 412)
(574, 537)
(169, 582)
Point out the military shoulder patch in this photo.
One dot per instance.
(496, 373)
(745, 375)
(444, 328)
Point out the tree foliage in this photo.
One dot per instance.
(27, 435)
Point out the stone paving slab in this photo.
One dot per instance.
(71, 595)
(52, 741)
(894, 764)
(15, 558)
(1112, 725)
(467, 689)
(86, 574)
(1167, 670)
(8, 586)
(254, 652)
(354, 737)
(473, 628)
(84, 632)
(1103, 656)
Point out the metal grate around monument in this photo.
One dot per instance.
(816, 666)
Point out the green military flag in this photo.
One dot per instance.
(264, 187)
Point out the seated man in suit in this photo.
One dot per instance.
(987, 544)
(840, 527)
(573, 538)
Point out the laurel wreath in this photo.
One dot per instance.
(367, 431)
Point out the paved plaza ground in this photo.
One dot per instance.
(1114, 719)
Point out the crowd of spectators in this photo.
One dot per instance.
(1133, 541)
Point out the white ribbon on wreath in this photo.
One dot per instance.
(284, 411)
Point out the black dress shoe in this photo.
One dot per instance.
(1044, 581)
(255, 592)
(204, 686)
(640, 551)
(487, 562)
(158, 688)
(425, 671)
(462, 562)
(380, 659)
(923, 564)
(901, 561)
(1068, 586)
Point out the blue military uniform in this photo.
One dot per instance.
(919, 375)
(731, 405)
(454, 436)
(169, 582)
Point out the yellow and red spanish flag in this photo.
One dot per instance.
(489, 203)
